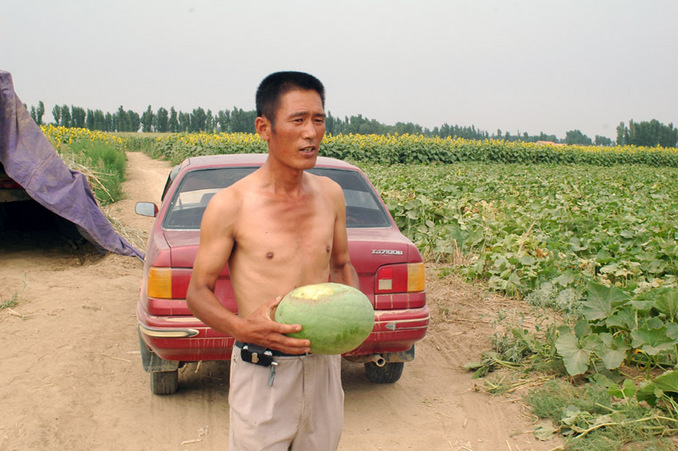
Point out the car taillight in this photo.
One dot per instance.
(159, 284)
(402, 278)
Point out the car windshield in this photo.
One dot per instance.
(197, 187)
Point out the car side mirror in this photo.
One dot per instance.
(146, 209)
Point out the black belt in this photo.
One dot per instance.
(274, 353)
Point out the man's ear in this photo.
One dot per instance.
(263, 127)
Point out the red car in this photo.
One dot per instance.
(389, 266)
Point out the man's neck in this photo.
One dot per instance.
(283, 180)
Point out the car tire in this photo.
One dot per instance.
(387, 374)
(164, 382)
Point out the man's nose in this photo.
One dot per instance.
(310, 130)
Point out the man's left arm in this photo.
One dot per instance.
(341, 269)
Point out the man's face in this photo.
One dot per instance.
(299, 127)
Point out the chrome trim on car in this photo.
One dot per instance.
(181, 319)
(156, 332)
(386, 252)
(381, 313)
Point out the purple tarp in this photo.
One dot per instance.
(30, 160)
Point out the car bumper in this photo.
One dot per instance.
(187, 339)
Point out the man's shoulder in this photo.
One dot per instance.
(228, 197)
(239, 187)
(328, 188)
(323, 182)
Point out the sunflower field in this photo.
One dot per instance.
(408, 149)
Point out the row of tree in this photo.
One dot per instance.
(650, 133)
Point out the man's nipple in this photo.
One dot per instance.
(269, 255)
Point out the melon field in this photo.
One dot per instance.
(589, 235)
(585, 236)
(537, 221)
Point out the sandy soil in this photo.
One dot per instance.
(71, 375)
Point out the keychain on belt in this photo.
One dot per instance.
(261, 356)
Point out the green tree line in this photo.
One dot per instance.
(650, 133)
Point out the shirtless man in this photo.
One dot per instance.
(277, 229)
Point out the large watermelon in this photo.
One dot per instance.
(335, 317)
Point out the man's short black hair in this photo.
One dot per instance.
(275, 85)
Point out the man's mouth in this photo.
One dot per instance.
(309, 149)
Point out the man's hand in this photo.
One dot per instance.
(260, 328)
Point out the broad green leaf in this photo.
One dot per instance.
(613, 358)
(603, 257)
(667, 382)
(602, 301)
(574, 417)
(591, 342)
(545, 432)
(577, 244)
(651, 392)
(582, 328)
(626, 233)
(610, 269)
(654, 322)
(646, 393)
(652, 340)
(575, 358)
(564, 279)
(667, 302)
(642, 306)
(672, 331)
(624, 318)
(570, 414)
(603, 381)
(527, 260)
(613, 350)
(627, 389)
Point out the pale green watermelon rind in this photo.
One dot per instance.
(321, 310)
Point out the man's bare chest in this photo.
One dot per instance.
(283, 233)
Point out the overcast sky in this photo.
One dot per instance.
(516, 65)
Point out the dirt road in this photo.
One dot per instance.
(71, 376)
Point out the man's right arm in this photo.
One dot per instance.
(216, 244)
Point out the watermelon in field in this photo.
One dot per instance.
(335, 317)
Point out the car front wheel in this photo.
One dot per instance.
(164, 382)
(389, 373)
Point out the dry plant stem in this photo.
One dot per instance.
(525, 235)
(116, 358)
(135, 237)
(90, 174)
(640, 420)
(528, 382)
(14, 312)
